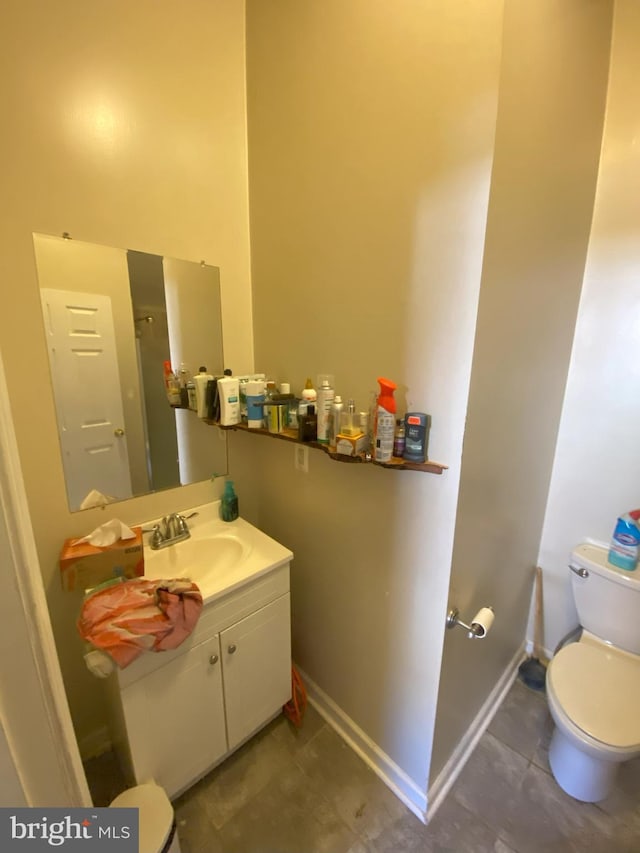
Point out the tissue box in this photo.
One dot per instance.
(83, 566)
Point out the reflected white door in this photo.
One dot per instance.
(86, 385)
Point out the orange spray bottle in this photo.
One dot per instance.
(385, 422)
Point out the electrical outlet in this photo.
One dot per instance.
(301, 458)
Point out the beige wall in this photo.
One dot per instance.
(552, 98)
(597, 466)
(124, 124)
(370, 144)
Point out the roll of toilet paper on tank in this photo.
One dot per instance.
(482, 622)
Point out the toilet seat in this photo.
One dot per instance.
(597, 689)
(156, 819)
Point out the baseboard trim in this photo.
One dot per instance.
(95, 743)
(382, 765)
(451, 770)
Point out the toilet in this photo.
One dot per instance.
(593, 685)
(157, 824)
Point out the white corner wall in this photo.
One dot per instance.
(553, 84)
(596, 473)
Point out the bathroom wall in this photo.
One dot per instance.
(370, 147)
(597, 464)
(124, 125)
(552, 99)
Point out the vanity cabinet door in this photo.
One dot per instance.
(175, 718)
(256, 657)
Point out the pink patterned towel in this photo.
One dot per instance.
(140, 615)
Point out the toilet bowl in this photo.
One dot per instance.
(157, 824)
(593, 691)
(593, 686)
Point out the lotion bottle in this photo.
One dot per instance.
(229, 395)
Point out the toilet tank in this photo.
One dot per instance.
(607, 598)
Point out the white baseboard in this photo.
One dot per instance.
(95, 743)
(382, 765)
(451, 770)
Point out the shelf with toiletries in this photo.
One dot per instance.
(291, 435)
(317, 418)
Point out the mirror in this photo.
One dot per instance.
(112, 317)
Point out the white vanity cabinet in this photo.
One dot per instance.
(183, 711)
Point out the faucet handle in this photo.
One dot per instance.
(156, 537)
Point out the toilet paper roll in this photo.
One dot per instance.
(482, 622)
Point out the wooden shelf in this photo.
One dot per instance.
(290, 435)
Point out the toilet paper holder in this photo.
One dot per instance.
(479, 626)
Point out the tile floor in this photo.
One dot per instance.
(305, 791)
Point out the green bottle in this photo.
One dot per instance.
(229, 503)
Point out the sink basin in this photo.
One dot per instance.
(197, 558)
(219, 557)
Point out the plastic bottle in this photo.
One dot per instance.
(334, 420)
(229, 510)
(191, 395)
(171, 384)
(229, 395)
(399, 439)
(385, 421)
(325, 397)
(625, 542)
(200, 381)
(184, 375)
(255, 390)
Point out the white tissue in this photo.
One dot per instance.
(99, 663)
(107, 534)
(95, 498)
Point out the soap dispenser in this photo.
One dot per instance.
(229, 503)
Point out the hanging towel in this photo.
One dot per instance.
(140, 615)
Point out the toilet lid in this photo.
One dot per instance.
(599, 690)
(155, 815)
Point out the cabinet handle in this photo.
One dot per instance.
(213, 660)
(232, 648)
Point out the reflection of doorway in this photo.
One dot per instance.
(146, 281)
(86, 382)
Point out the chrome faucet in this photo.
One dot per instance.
(173, 528)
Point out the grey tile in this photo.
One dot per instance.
(501, 847)
(541, 755)
(490, 780)
(520, 719)
(293, 739)
(543, 817)
(196, 832)
(623, 804)
(291, 815)
(454, 829)
(224, 791)
(362, 800)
